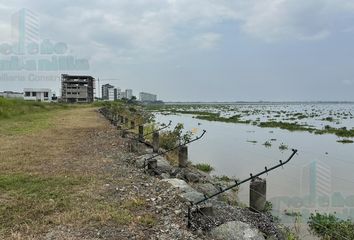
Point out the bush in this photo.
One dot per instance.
(170, 139)
(204, 167)
(328, 226)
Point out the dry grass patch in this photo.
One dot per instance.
(51, 175)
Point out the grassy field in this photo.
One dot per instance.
(51, 172)
(19, 117)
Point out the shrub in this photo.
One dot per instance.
(204, 167)
(170, 139)
(328, 226)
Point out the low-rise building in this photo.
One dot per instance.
(147, 97)
(37, 94)
(11, 94)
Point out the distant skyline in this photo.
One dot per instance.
(197, 50)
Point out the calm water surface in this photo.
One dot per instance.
(319, 178)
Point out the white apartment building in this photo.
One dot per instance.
(147, 97)
(128, 93)
(112, 94)
(37, 94)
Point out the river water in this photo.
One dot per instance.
(319, 178)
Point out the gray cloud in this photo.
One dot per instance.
(129, 38)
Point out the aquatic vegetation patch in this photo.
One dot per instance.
(286, 125)
(283, 147)
(345, 141)
(218, 118)
(267, 144)
(340, 132)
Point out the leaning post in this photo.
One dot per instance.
(156, 142)
(183, 156)
(141, 132)
(258, 191)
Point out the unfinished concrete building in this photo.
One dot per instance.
(77, 88)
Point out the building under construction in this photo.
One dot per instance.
(77, 88)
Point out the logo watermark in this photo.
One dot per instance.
(316, 196)
(28, 57)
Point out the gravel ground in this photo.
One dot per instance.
(157, 211)
(126, 182)
(172, 211)
(223, 213)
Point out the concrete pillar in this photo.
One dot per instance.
(115, 120)
(124, 133)
(258, 192)
(152, 164)
(183, 156)
(155, 142)
(207, 209)
(141, 132)
(132, 124)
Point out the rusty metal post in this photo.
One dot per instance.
(183, 156)
(258, 191)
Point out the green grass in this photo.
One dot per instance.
(204, 167)
(328, 226)
(10, 108)
(18, 116)
(224, 178)
(35, 186)
(147, 220)
(25, 123)
(29, 198)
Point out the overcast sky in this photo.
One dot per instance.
(204, 50)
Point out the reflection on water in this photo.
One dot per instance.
(319, 177)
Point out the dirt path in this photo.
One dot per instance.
(72, 181)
